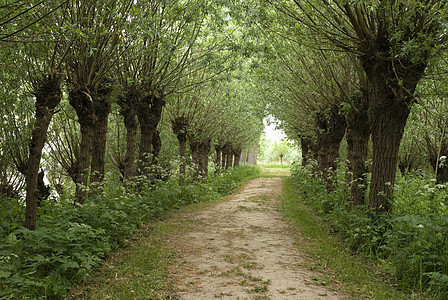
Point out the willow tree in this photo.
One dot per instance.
(93, 36)
(30, 29)
(394, 41)
(427, 139)
(160, 36)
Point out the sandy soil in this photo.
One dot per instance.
(242, 249)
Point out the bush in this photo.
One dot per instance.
(413, 239)
(71, 241)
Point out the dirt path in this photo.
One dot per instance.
(242, 249)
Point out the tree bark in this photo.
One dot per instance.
(391, 93)
(48, 96)
(128, 109)
(102, 107)
(357, 135)
(218, 150)
(331, 131)
(182, 139)
(149, 115)
(194, 147)
(309, 150)
(203, 152)
(224, 157)
(156, 146)
(82, 102)
(237, 156)
(179, 126)
(229, 157)
(305, 147)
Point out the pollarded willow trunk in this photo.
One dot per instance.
(194, 147)
(306, 144)
(48, 96)
(128, 109)
(102, 106)
(229, 157)
(82, 102)
(305, 147)
(357, 135)
(182, 139)
(179, 127)
(203, 153)
(156, 146)
(224, 157)
(391, 94)
(218, 160)
(149, 115)
(237, 156)
(329, 137)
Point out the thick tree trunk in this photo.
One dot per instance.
(224, 158)
(309, 150)
(128, 109)
(149, 115)
(237, 156)
(218, 150)
(194, 147)
(48, 96)
(102, 106)
(305, 147)
(357, 135)
(331, 132)
(387, 131)
(156, 146)
(182, 138)
(391, 93)
(83, 104)
(179, 126)
(203, 152)
(229, 157)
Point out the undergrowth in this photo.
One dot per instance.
(411, 242)
(71, 241)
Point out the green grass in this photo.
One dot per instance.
(270, 165)
(355, 275)
(139, 270)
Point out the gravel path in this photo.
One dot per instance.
(242, 249)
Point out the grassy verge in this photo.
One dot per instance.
(355, 275)
(139, 270)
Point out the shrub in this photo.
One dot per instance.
(413, 238)
(71, 241)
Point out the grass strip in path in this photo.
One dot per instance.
(353, 274)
